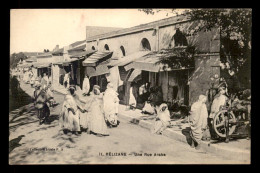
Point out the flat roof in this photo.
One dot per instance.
(151, 25)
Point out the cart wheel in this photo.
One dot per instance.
(219, 123)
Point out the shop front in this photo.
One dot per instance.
(97, 70)
(122, 78)
(171, 82)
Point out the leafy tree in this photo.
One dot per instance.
(15, 58)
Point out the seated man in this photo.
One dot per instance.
(148, 108)
(162, 121)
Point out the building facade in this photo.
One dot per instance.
(186, 84)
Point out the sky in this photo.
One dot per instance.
(33, 30)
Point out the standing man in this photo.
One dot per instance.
(86, 86)
(66, 80)
(111, 103)
(198, 121)
(44, 81)
(32, 80)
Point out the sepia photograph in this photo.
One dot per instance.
(130, 86)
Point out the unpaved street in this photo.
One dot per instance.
(46, 144)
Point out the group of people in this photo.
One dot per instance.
(43, 96)
(198, 117)
(150, 97)
(99, 112)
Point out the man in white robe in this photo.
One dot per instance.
(219, 101)
(70, 113)
(85, 86)
(111, 104)
(162, 120)
(198, 120)
(44, 81)
(66, 82)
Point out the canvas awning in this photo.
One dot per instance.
(95, 58)
(67, 63)
(32, 59)
(78, 48)
(26, 65)
(41, 65)
(80, 54)
(57, 63)
(128, 59)
(99, 70)
(145, 63)
(135, 75)
(45, 55)
(151, 62)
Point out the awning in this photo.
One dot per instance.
(135, 75)
(67, 63)
(146, 64)
(128, 59)
(150, 62)
(78, 48)
(95, 58)
(41, 65)
(26, 65)
(46, 54)
(57, 63)
(100, 70)
(80, 54)
(32, 59)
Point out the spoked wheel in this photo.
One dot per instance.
(219, 123)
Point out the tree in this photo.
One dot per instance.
(15, 58)
(235, 32)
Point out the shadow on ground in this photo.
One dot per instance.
(18, 100)
(52, 118)
(15, 143)
(186, 133)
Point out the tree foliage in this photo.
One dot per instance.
(15, 58)
(235, 31)
(178, 57)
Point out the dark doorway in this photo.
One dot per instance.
(145, 44)
(179, 39)
(106, 47)
(123, 50)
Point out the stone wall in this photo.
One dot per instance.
(207, 43)
(56, 76)
(204, 41)
(205, 68)
(130, 42)
(45, 59)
